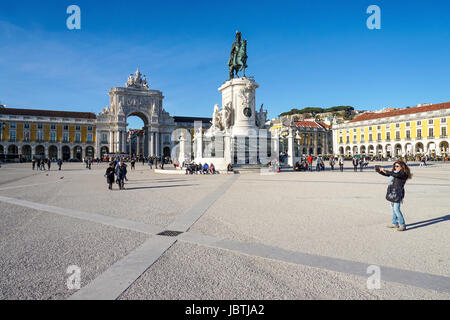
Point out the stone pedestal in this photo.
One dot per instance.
(239, 94)
(290, 148)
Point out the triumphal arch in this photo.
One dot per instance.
(135, 99)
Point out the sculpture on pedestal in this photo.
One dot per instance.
(238, 57)
(261, 117)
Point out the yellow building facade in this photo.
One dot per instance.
(27, 134)
(412, 131)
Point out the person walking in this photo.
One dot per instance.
(362, 160)
(341, 163)
(310, 160)
(110, 171)
(121, 172)
(33, 162)
(355, 164)
(132, 164)
(150, 162)
(424, 161)
(332, 163)
(396, 191)
(59, 164)
(89, 162)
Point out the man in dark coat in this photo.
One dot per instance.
(110, 171)
(121, 173)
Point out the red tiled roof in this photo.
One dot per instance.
(311, 124)
(399, 112)
(323, 124)
(47, 113)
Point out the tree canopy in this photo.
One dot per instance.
(316, 110)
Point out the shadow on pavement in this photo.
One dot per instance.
(426, 223)
(156, 187)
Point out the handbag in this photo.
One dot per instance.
(393, 196)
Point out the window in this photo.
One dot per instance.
(26, 135)
(39, 125)
(89, 137)
(397, 135)
(77, 137)
(52, 136)
(444, 120)
(430, 132)
(340, 140)
(379, 127)
(362, 138)
(370, 128)
(419, 133)
(443, 132)
(397, 125)
(408, 134)
(408, 124)
(89, 128)
(354, 138)
(388, 136)
(26, 126)
(12, 125)
(65, 137)
(77, 128)
(430, 121)
(53, 127)
(66, 127)
(104, 138)
(370, 137)
(419, 123)
(379, 136)
(348, 139)
(39, 135)
(12, 135)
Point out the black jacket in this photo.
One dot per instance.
(399, 182)
(121, 172)
(110, 174)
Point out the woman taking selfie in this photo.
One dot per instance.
(396, 192)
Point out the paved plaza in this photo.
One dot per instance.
(293, 235)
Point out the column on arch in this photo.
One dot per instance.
(158, 145)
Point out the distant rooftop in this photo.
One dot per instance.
(192, 119)
(47, 113)
(399, 112)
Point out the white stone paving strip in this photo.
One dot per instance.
(33, 185)
(111, 221)
(186, 220)
(115, 280)
(406, 277)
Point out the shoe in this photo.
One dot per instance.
(392, 226)
(401, 228)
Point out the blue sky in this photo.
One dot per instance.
(302, 53)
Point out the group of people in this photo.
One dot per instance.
(40, 164)
(198, 168)
(116, 172)
(359, 161)
(311, 163)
